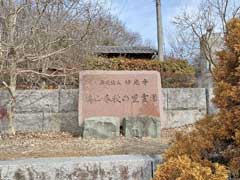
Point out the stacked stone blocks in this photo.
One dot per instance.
(57, 110)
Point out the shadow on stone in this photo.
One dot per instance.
(146, 126)
(101, 127)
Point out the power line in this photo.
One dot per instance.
(123, 6)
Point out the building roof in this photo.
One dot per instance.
(124, 50)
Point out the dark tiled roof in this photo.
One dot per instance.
(124, 50)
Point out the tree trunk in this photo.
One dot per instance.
(13, 65)
(12, 104)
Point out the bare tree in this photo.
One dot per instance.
(112, 32)
(196, 29)
(36, 35)
(46, 41)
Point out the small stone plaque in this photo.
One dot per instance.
(119, 94)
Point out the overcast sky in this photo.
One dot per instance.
(140, 16)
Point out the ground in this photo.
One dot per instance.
(35, 145)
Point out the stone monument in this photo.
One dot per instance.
(120, 97)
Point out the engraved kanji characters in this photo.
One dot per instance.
(125, 98)
(144, 98)
(109, 82)
(154, 97)
(116, 99)
(136, 82)
(107, 99)
(135, 98)
(131, 96)
(127, 82)
(145, 81)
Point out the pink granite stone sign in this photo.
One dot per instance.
(120, 94)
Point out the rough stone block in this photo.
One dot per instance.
(69, 123)
(186, 98)
(181, 118)
(3, 113)
(141, 126)
(29, 122)
(156, 160)
(205, 80)
(101, 127)
(35, 101)
(64, 122)
(3, 125)
(4, 98)
(46, 122)
(165, 98)
(52, 122)
(68, 100)
(125, 167)
(212, 109)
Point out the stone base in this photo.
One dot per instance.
(101, 127)
(131, 167)
(141, 127)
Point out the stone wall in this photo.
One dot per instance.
(131, 167)
(57, 110)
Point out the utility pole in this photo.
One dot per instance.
(159, 30)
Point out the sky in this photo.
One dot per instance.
(140, 16)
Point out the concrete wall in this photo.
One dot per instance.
(125, 167)
(57, 110)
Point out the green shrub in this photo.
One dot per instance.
(174, 73)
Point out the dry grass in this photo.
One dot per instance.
(34, 145)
